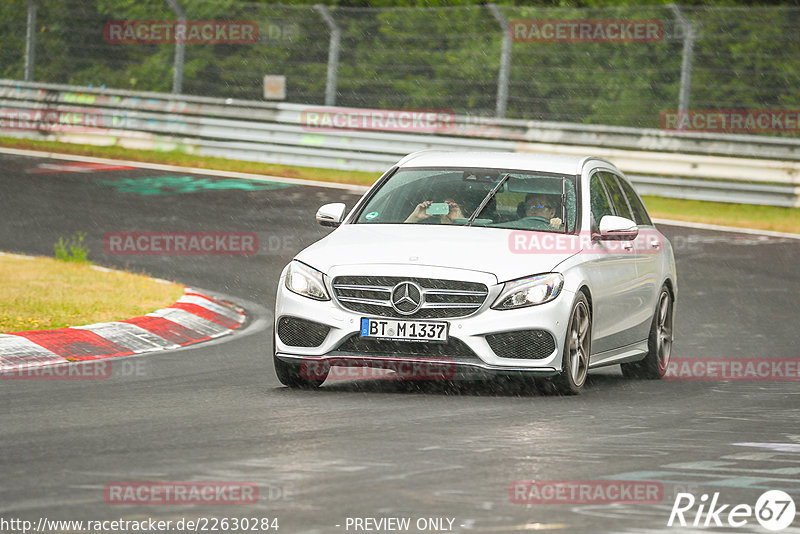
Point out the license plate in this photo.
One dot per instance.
(404, 330)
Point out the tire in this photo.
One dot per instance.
(577, 348)
(291, 374)
(659, 343)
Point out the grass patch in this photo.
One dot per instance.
(72, 249)
(722, 213)
(176, 157)
(725, 214)
(44, 293)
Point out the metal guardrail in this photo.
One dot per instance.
(729, 168)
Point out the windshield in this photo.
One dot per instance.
(499, 198)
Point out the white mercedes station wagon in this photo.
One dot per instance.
(457, 264)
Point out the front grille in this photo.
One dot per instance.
(523, 344)
(301, 332)
(454, 348)
(370, 295)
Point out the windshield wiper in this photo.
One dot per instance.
(486, 199)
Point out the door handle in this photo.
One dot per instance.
(627, 246)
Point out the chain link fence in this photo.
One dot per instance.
(477, 60)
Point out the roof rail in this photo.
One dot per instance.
(583, 161)
(418, 153)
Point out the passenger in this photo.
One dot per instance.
(420, 213)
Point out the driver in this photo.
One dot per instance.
(420, 213)
(537, 205)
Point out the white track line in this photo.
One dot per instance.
(331, 185)
(718, 228)
(176, 168)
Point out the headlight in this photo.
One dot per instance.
(529, 291)
(304, 280)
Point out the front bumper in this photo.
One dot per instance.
(415, 368)
(470, 331)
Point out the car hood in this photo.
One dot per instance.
(489, 250)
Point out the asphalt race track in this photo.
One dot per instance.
(378, 448)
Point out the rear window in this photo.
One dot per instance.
(599, 201)
(617, 196)
(640, 215)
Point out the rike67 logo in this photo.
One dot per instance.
(774, 510)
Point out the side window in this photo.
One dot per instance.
(599, 200)
(639, 212)
(617, 197)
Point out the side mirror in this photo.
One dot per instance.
(331, 214)
(620, 228)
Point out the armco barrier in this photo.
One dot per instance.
(746, 169)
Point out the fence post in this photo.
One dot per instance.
(686, 62)
(333, 53)
(30, 41)
(505, 62)
(180, 48)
